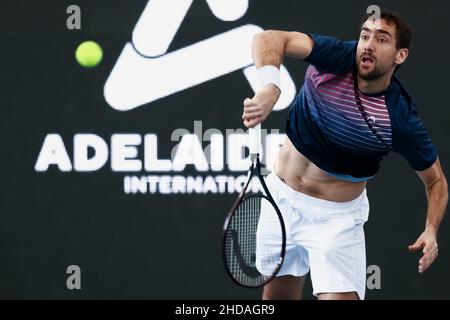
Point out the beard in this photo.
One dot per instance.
(376, 73)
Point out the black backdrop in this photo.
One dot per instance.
(168, 246)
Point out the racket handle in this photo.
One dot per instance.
(255, 139)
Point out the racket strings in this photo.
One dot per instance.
(241, 243)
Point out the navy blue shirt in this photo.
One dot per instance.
(344, 131)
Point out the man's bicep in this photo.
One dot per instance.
(298, 45)
(270, 46)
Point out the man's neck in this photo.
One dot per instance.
(374, 86)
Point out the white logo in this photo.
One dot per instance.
(371, 119)
(145, 71)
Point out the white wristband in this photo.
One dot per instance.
(269, 75)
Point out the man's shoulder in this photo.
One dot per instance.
(399, 99)
(331, 55)
(404, 116)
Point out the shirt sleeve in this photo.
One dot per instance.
(413, 142)
(331, 55)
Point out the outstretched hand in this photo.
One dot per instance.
(428, 242)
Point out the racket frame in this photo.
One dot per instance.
(254, 170)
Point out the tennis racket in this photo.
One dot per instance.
(254, 237)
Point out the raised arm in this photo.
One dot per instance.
(269, 47)
(268, 50)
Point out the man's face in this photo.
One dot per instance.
(376, 52)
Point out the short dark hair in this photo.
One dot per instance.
(403, 31)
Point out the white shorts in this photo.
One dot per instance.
(323, 236)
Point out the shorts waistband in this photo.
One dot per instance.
(286, 191)
(348, 178)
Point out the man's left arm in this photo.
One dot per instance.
(437, 195)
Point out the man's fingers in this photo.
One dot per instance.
(251, 110)
(426, 248)
(252, 113)
(424, 263)
(430, 247)
(247, 123)
(423, 260)
(251, 107)
(248, 102)
(416, 246)
(427, 242)
(250, 123)
(249, 116)
(427, 259)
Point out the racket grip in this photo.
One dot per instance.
(255, 139)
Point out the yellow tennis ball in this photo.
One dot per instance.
(89, 54)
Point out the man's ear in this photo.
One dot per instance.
(401, 55)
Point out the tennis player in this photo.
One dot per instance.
(351, 111)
